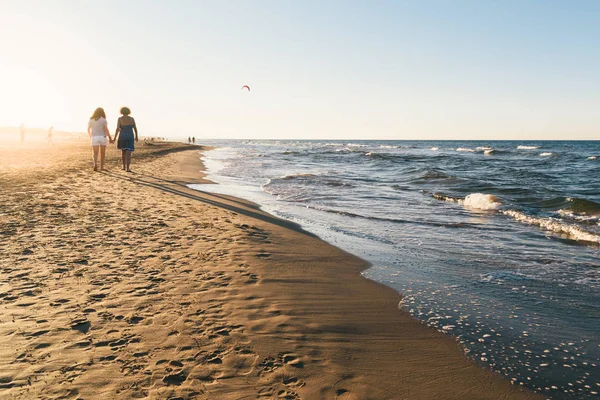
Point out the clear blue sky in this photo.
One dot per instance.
(470, 69)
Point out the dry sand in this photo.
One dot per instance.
(119, 286)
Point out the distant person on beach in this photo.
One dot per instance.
(194, 139)
(22, 133)
(50, 131)
(189, 140)
(98, 131)
(125, 134)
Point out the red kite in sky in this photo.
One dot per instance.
(246, 87)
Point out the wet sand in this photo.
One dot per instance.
(119, 286)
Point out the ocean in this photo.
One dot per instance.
(494, 243)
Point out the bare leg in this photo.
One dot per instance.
(128, 160)
(102, 156)
(96, 149)
(124, 158)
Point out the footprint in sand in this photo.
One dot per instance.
(81, 324)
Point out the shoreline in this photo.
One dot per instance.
(216, 298)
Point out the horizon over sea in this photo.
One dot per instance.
(496, 243)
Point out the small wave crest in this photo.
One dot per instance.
(583, 206)
(527, 147)
(502, 276)
(555, 226)
(478, 201)
(481, 201)
(295, 176)
(592, 157)
(434, 174)
(465, 150)
(546, 154)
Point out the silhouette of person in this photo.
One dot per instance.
(98, 131)
(125, 129)
(194, 139)
(50, 131)
(189, 140)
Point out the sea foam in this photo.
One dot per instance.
(481, 201)
(552, 225)
(527, 147)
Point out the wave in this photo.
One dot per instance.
(434, 148)
(579, 218)
(555, 226)
(583, 206)
(295, 176)
(501, 276)
(592, 157)
(489, 152)
(546, 154)
(449, 199)
(434, 174)
(481, 201)
(478, 201)
(465, 150)
(528, 147)
(389, 219)
(489, 202)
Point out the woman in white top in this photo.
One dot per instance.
(98, 131)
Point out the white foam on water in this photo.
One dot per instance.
(592, 157)
(481, 148)
(579, 217)
(465, 150)
(555, 226)
(546, 154)
(527, 147)
(489, 152)
(481, 201)
(434, 148)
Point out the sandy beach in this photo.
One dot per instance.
(120, 286)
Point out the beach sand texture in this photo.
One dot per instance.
(120, 286)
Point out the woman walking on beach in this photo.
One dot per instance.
(125, 129)
(98, 131)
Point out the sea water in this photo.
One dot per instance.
(494, 243)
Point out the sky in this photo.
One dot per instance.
(317, 69)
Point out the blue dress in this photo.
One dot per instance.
(126, 139)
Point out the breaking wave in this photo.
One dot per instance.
(555, 226)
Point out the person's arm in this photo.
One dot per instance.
(90, 129)
(118, 129)
(135, 130)
(106, 132)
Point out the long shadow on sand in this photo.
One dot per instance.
(209, 198)
(185, 183)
